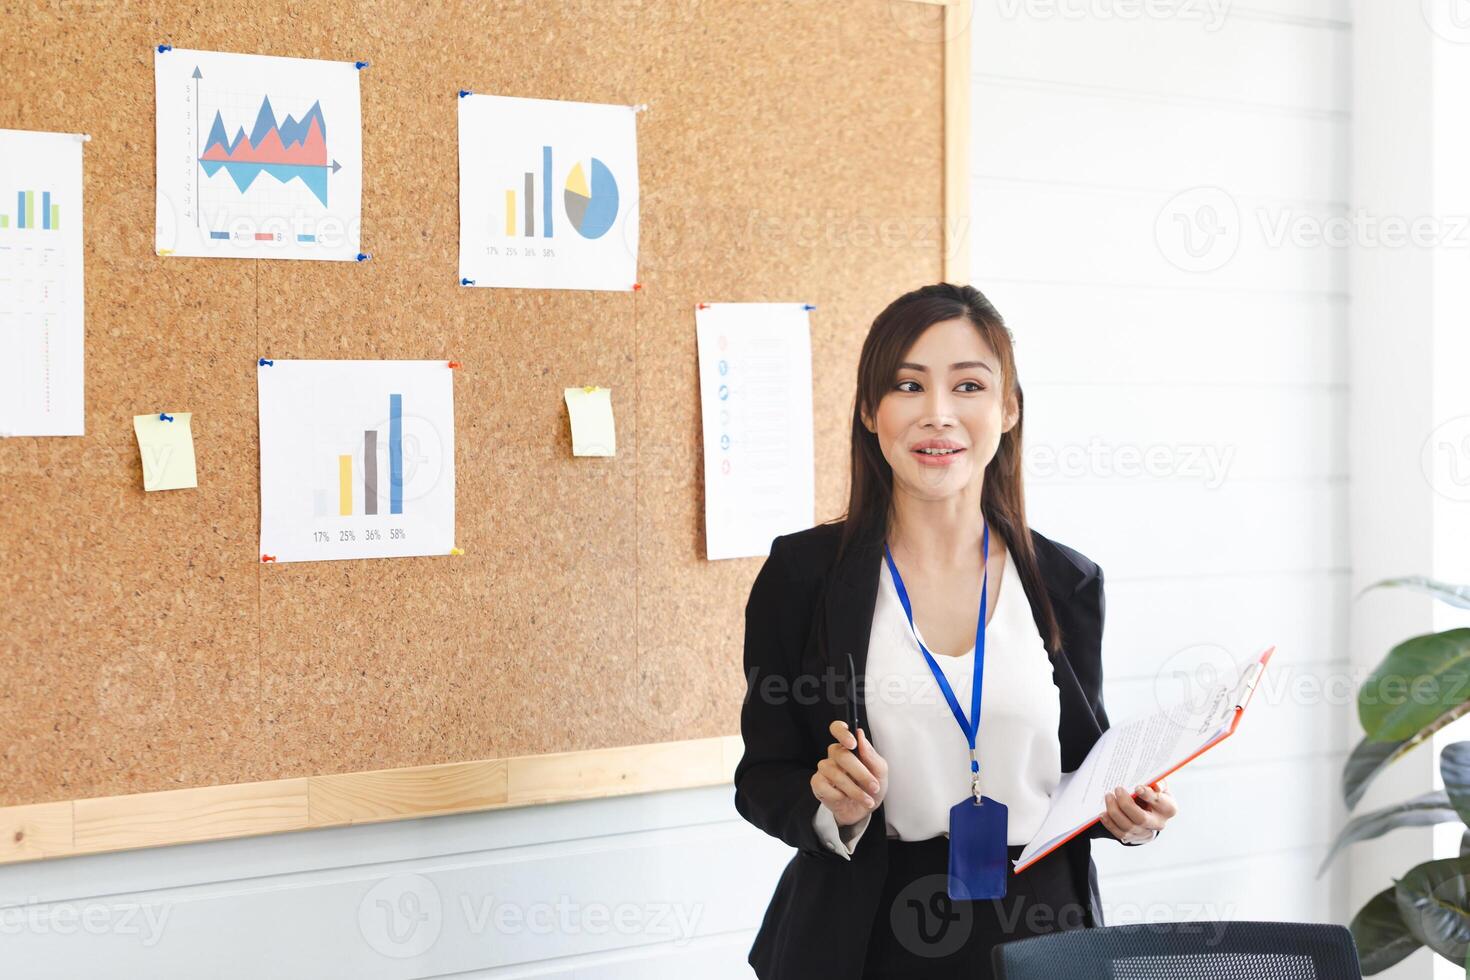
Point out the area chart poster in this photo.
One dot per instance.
(258, 157)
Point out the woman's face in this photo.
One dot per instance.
(947, 390)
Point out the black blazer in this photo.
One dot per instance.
(804, 616)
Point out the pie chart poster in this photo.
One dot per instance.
(548, 193)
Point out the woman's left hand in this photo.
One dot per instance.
(1135, 821)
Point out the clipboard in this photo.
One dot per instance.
(1217, 719)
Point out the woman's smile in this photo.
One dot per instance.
(936, 452)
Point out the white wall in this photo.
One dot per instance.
(660, 885)
(1187, 384)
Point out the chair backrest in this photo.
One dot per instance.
(1199, 950)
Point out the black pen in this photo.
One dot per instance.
(852, 711)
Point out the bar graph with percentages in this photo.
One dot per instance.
(41, 294)
(548, 193)
(356, 459)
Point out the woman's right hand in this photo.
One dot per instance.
(853, 779)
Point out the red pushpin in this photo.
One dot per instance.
(267, 557)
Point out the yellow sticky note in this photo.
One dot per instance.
(167, 448)
(592, 421)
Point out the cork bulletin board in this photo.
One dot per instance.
(792, 150)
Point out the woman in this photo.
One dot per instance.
(870, 618)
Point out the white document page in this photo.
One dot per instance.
(356, 459)
(41, 293)
(259, 157)
(755, 390)
(1141, 751)
(548, 193)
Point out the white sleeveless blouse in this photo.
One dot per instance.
(912, 727)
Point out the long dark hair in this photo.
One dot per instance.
(1003, 499)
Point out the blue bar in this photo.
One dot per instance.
(306, 238)
(20, 209)
(220, 234)
(546, 192)
(45, 210)
(395, 454)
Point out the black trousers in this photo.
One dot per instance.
(920, 933)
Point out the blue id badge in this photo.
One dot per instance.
(978, 862)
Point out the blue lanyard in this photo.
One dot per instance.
(971, 727)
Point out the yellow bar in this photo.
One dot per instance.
(30, 209)
(55, 216)
(344, 485)
(510, 213)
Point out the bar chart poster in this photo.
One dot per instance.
(41, 311)
(258, 157)
(356, 459)
(548, 193)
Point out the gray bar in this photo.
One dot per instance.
(530, 205)
(370, 471)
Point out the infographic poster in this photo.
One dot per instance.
(356, 459)
(755, 395)
(548, 193)
(41, 315)
(258, 157)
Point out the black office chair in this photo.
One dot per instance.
(1201, 950)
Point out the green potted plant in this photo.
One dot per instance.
(1422, 685)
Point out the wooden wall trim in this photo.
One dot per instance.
(118, 823)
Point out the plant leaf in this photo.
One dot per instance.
(1434, 901)
(1380, 934)
(1455, 595)
(1454, 769)
(1370, 758)
(1421, 679)
(1423, 810)
(1465, 844)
